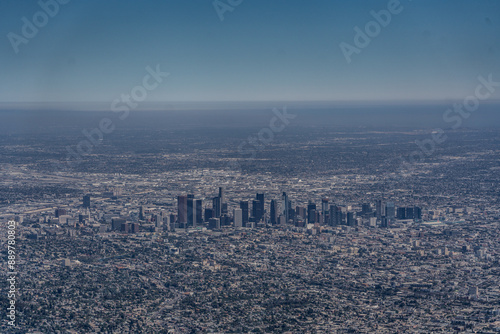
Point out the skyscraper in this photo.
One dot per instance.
(366, 208)
(401, 213)
(390, 210)
(350, 219)
(244, 209)
(191, 211)
(221, 195)
(324, 210)
(379, 209)
(86, 201)
(199, 212)
(238, 217)
(274, 212)
(217, 207)
(182, 212)
(417, 213)
(285, 206)
(258, 209)
(141, 212)
(311, 212)
(335, 215)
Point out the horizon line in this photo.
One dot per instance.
(184, 105)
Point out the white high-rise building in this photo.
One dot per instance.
(238, 217)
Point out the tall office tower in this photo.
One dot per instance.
(191, 212)
(244, 209)
(259, 208)
(401, 213)
(217, 207)
(311, 212)
(141, 212)
(158, 220)
(221, 195)
(417, 213)
(350, 219)
(182, 212)
(285, 206)
(255, 209)
(335, 215)
(410, 213)
(274, 212)
(366, 208)
(199, 212)
(324, 210)
(238, 217)
(86, 201)
(390, 210)
(379, 209)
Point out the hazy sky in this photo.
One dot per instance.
(95, 50)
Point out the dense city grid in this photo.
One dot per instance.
(323, 230)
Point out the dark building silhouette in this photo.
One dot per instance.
(182, 211)
(244, 212)
(379, 209)
(366, 209)
(286, 206)
(86, 201)
(141, 212)
(199, 212)
(217, 207)
(311, 213)
(191, 211)
(60, 212)
(258, 207)
(221, 195)
(390, 210)
(324, 210)
(273, 218)
(335, 215)
(351, 221)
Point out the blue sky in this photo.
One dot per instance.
(264, 50)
